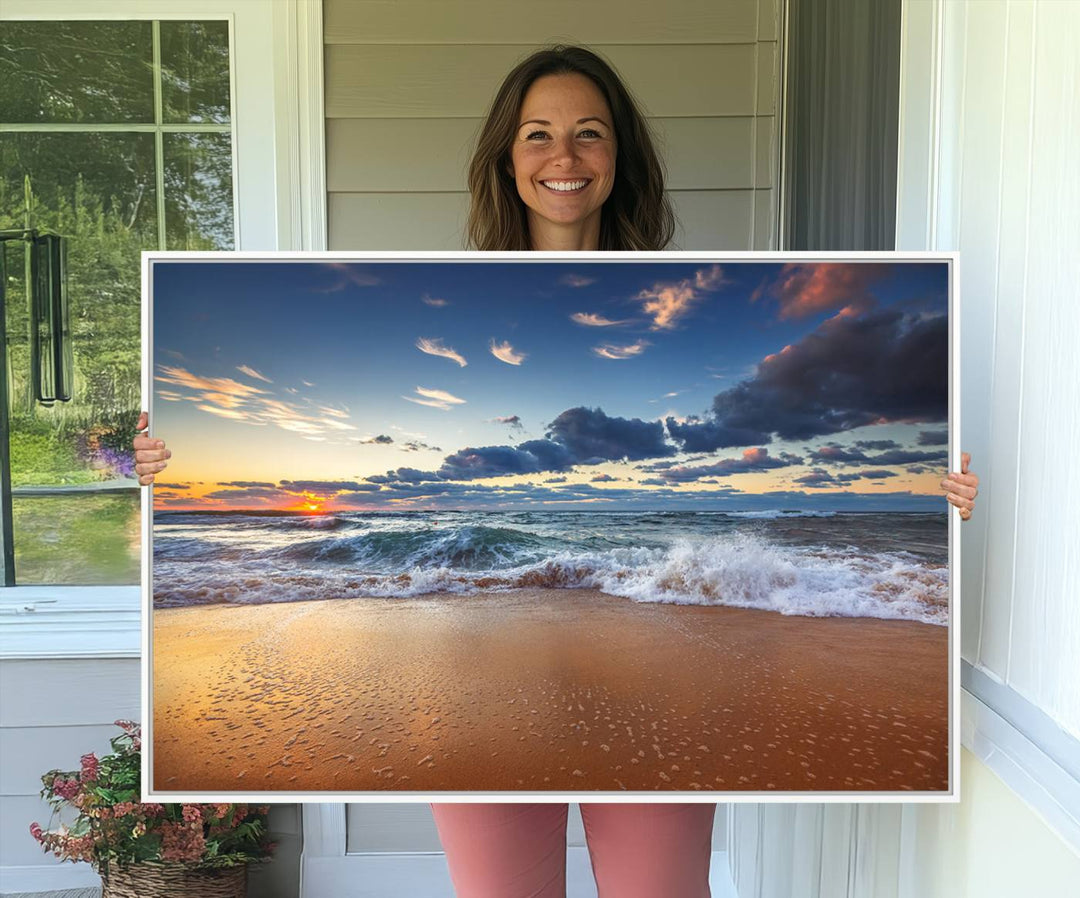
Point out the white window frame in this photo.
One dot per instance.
(276, 49)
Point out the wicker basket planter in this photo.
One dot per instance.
(170, 880)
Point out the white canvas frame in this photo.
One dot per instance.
(330, 819)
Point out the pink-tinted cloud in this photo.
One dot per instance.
(626, 351)
(591, 319)
(251, 372)
(803, 289)
(434, 346)
(504, 352)
(668, 303)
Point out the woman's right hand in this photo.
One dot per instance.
(151, 456)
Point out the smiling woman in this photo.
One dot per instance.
(563, 117)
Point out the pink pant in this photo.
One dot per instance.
(519, 850)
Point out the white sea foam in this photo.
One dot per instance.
(738, 571)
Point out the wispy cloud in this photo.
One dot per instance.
(228, 413)
(576, 280)
(225, 397)
(334, 412)
(434, 346)
(434, 301)
(504, 352)
(435, 398)
(613, 351)
(667, 303)
(345, 274)
(513, 420)
(181, 377)
(251, 372)
(590, 319)
(381, 439)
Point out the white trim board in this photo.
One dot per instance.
(1023, 765)
(70, 622)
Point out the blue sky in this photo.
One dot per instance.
(655, 382)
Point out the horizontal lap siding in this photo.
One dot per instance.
(408, 84)
(53, 712)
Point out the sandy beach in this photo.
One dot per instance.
(543, 689)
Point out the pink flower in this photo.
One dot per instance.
(89, 767)
(65, 788)
(36, 831)
(181, 841)
(192, 813)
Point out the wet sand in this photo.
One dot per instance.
(543, 689)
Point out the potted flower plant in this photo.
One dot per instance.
(149, 849)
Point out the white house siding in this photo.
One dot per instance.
(408, 83)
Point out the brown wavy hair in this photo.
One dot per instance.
(636, 216)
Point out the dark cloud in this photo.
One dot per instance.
(404, 475)
(708, 436)
(836, 454)
(933, 438)
(590, 434)
(604, 478)
(381, 439)
(555, 480)
(415, 446)
(244, 483)
(751, 460)
(254, 493)
(853, 370)
(877, 445)
(487, 461)
(325, 486)
(513, 420)
(661, 465)
(849, 476)
(549, 455)
(816, 479)
(174, 486)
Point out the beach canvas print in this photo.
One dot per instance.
(550, 526)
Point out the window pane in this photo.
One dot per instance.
(98, 191)
(79, 540)
(198, 192)
(76, 72)
(195, 71)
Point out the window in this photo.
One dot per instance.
(118, 136)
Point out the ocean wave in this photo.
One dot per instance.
(737, 570)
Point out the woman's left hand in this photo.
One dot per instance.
(962, 488)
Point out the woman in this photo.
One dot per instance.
(565, 162)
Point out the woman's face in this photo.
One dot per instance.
(563, 157)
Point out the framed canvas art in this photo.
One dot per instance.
(594, 525)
